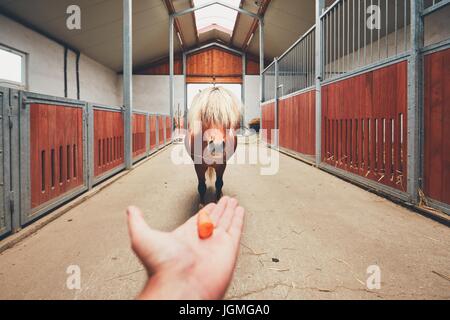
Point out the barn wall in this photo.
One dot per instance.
(268, 121)
(151, 93)
(214, 65)
(437, 126)
(98, 83)
(251, 98)
(46, 58)
(364, 125)
(297, 122)
(45, 67)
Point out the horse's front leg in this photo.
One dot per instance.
(220, 170)
(200, 169)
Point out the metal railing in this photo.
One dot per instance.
(296, 68)
(297, 65)
(269, 82)
(357, 33)
(432, 5)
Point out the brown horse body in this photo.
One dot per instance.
(214, 116)
(212, 156)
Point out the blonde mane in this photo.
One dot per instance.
(214, 107)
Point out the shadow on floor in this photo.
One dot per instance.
(193, 203)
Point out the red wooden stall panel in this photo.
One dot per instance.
(56, 146)
(168, 129)
(108, 141)
(268, 121)
(364, 127)
(161, 130)
(437, 126)
(139, 134)
(297, 122)
(152, 123)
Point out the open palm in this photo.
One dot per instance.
(179, 263)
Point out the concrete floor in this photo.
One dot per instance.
(324, 232)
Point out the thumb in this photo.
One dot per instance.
(145, 242)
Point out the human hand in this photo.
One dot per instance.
(182, 266)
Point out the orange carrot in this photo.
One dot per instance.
(205, 225)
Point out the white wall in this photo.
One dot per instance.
(251, 98)
(98, 83)
(45, 57)
(45, 67)
(151, 93)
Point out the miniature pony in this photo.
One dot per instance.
(211, 140)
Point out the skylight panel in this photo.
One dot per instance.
(216, 15)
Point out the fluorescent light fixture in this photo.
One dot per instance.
(216, 15)
(250, 39)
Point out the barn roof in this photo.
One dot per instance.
(101, 34)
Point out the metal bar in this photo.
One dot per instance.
(387, 29)
(261, 61)
(348, 34)
(171, 67)
(371, 39)
(275, 140)
(404, 24)
(327, 47)
(415, 102)
(221, 3)
(213, 44)
(147, 134)
(185, 109)
(353, 34)
(396, 25)
(90, 144)
(106, 108)
(365, 34)
(11, 157)
(379, 35)
(436, 47)
(333, 5)
(338, 39)
(320, 5)
(359, 32)
(435, 7)
(128, 81)
(334, 43)
(244, 71)
(297, 92)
